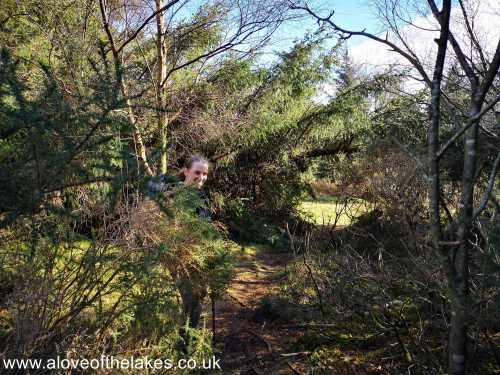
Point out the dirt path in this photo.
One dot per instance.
(250, 343)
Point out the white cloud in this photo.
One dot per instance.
(372, 56)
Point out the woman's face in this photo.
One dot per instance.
(196, 175)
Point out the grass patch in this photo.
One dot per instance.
(327, 210)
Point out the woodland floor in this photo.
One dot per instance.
(249, 343)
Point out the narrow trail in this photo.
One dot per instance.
(251, 340)
(249, 343)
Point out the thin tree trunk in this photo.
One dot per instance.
(433, 132)
(162, 118)
(458, 265)
(212, 297)
(456, 258)
(137, 145)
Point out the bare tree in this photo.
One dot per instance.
(452, 242)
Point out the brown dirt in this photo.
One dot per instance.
(250, 344)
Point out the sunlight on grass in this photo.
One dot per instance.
(328, 210)
(247, 251)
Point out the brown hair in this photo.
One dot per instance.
(196, 158)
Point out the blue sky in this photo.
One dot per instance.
(354, 15)
(349, 14)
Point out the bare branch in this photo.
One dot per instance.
(472, 120)
(105, 23)
(348, 33)
(245, 29)
(472, 36)
(489, 188)
(145, 23)
(468, 69)
(491, 73)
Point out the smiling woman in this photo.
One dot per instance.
(195, 172)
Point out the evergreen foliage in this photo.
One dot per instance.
(92, 262)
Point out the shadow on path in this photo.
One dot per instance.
(250, 344)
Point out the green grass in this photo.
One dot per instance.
(326, 210)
